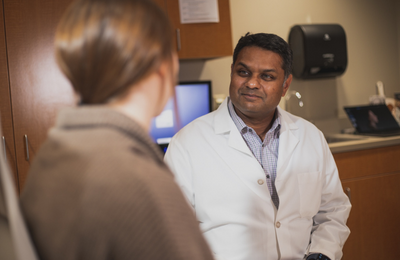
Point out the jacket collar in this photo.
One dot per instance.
(223, 124)
(96, 116)
(288, 139)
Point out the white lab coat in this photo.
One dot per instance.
(225, 185)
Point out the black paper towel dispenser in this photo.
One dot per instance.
(319, 50)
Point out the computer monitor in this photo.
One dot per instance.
(376, 120)
(193, 99)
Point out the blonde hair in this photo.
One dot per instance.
(106, 46)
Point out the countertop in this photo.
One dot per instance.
(339, 143)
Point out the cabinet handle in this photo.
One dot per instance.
(27, 147)
(4, 147)
(348, 191)
(178, 39)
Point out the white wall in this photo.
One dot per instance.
(372, 41)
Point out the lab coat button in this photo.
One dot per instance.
(261, 182)
(278, 224)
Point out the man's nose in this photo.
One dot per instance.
(253, 82)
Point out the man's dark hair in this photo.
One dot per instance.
(270, 42)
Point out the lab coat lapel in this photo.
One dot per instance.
(224, 124)
(288, 140)
(239, 158)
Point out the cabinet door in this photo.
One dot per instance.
(202, 40)
(7, 139)
(161, 3)
(38, 89)
(374, 218)
(373, 177)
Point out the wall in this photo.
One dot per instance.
(373, 52)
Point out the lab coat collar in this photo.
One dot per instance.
(244, 165)
(288, 139)
(223, 124)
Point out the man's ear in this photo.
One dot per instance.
(287, 84)
(231, 69)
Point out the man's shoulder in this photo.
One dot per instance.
(306, 128)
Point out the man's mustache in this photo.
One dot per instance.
(251, 92)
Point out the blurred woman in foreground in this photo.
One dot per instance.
(98, 188)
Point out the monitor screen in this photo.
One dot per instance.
(193, 99)
(371, 118)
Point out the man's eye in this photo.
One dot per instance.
(242, 72)
(267, 77)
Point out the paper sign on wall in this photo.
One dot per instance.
(199, 11)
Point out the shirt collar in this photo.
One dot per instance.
(242, 127)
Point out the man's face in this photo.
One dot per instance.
(257, 81)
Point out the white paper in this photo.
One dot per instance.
(199, 11)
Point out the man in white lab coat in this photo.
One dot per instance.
(262, 182)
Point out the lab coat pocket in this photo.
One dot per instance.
(310, 188)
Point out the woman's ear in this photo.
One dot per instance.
(175, 68)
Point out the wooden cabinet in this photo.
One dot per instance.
(373, 179)
(7, 137)
(34, 88)
(201, 40)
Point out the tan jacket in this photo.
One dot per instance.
(98, 189)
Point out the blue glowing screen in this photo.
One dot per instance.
(193, 99)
